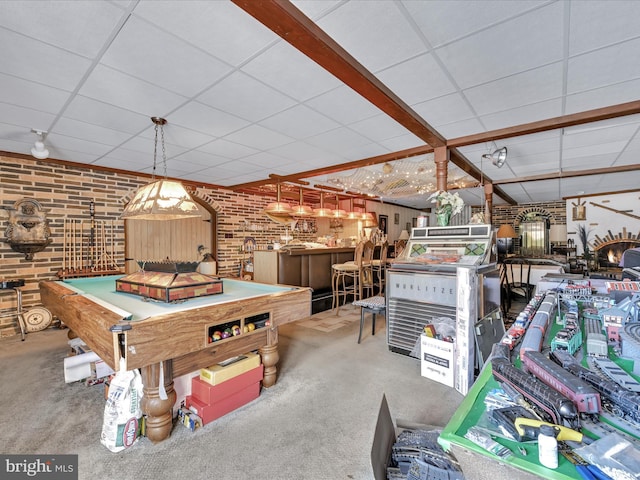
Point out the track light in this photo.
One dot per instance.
(39, 150)
(499, 157)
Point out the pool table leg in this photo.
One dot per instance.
(159, 412)
(270, 357)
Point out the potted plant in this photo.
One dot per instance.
(447, 205)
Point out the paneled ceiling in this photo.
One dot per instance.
(327, 92)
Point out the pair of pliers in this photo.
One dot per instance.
(585, 469)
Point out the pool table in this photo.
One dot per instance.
(166, 340)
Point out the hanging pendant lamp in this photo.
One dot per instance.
(302, 210)
(161, 199)
(322, 212)
(278, 207)
(353, 215)
(338, 212)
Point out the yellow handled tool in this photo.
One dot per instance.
(529, 428)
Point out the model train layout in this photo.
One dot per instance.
(560, 355)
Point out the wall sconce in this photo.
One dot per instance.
(39, 150)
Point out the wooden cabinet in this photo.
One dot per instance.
(265, 266)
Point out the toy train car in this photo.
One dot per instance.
(534, 336)
(583, 395)
(551, 404)
(596, 341)
(615, 398)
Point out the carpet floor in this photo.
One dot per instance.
(315, 423)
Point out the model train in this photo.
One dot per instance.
(583, 395)
(553, 406)
(615, 398)
(534, 336)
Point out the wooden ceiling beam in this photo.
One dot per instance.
(564, 121)
(387, 157)
(285, 20)
(570, 174)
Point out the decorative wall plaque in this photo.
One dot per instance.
(28, 230)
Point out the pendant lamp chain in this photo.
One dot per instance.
(159, 122)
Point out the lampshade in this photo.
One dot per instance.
(302, 210)
(161, 199)
(278, 207)
(353, 215)
(506, 231)
(322, 212)
(404, 235)
(369, 220)
(338, 212)
(558, 233)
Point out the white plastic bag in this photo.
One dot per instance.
(122, 413)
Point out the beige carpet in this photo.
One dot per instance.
(315, 423)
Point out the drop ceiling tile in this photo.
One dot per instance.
(299, 122)
(601, 97)
(600, 135)
(144, 144)
(524, 114)
(271, 162)
(131, 161)
(91, 133)
(379, 127)
(523, 43)
(79, 145)
(102, 114)
(72, 155)
(443, 110)
(339, 140)
(401, 142)
(604, 67)
(179, 169)
(376, 34)
(116, 88)
(304, 153)
(258, 137)
(343, 105)
(609, 149)
(198, 157)
(202, 118)
(315, 9)
(226, 149)
(81, 27)
(146, 52)
(25, 117)
(532, 86)
(364, 151)
(220, 28)
(244, 96)
(597, 24)
(290, 72)
(417, 79)
(461, 128)
(434, 18)
(46, 64)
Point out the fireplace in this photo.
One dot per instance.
(609, 250)
(609, 255)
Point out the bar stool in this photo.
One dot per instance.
(353, 277)
(373, 305)
(379, 268)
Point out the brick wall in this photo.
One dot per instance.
(65, 192)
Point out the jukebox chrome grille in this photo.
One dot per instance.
(408, 320)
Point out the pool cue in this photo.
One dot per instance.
(64, 245)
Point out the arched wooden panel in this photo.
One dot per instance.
(177, 240)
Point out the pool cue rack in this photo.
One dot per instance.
(88, 248)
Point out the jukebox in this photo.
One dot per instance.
(445, 272)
